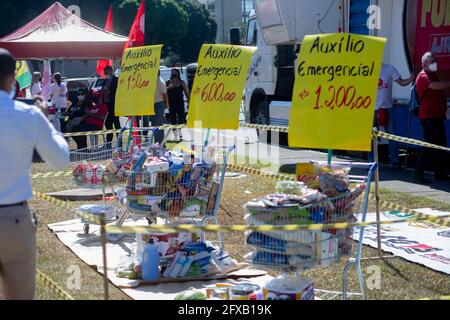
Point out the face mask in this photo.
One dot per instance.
(433, 67)
(81, 98)
(108, 76)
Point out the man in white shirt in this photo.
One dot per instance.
(384, 107)
(23, 129)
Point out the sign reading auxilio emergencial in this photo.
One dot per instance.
(218, 86)
(138, 80)
(335, 92)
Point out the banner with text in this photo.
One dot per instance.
(421, 242)
(138, 81)
(433, 31)
(219, 85)
(335, 91)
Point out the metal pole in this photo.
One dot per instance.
(105, 266)
(377, 190)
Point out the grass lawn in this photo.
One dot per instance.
(400, 279)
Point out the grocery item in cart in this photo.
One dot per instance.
(170, 185)
(279, 261)
(283, 201)
(272, 244)
(301, 249)
(334, 180)
(291, 187)
(322, 250)
(89, 174)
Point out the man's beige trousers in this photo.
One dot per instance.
(17, 252)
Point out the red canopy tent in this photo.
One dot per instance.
(59, 34)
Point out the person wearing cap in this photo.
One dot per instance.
(23, 129)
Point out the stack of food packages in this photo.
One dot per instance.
(176, 185)
(112, 170)
(326, 199)
(181, 256)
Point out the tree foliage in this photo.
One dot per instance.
(202, 29)
(166, 23)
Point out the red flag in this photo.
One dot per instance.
(101, 64)
(137, 32)
(135, 134)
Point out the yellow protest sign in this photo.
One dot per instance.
(335, 92)
(138, 81)
(218, 86)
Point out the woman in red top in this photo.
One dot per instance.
(88, 115)
(96, 112)
(432, 115)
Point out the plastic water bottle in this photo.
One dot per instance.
(150, 262)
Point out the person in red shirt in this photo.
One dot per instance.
(432, 115)
(86, 115)
(97, 112)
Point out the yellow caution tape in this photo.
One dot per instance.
(242, 169)
(268, 128)
(61, 174)
(383, 204)
(438, 298)
(258, 172)
(376, 134)
(264, 228)
(235, 228)
(90, 133)
(409, 141)
(265, 127)
(99, 133)
(417, 214)
(50, 284)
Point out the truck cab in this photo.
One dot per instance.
(276, 27)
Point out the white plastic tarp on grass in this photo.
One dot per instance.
(89, 250)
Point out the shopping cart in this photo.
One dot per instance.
(297, 251)
(96, 167)
(185, 189)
